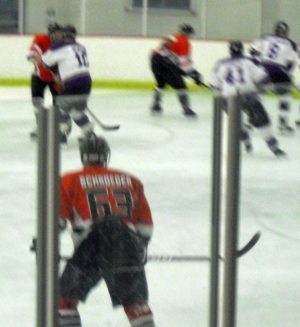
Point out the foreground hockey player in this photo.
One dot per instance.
(279, 55)
(238, 73)
(169, 63)
(112, 222)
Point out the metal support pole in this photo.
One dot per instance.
(215, 212)
(144, 17)
(232, 211)
(83, 17)
(203, 19)
(21, 17)
(48, 213)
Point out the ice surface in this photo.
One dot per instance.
(171, 154)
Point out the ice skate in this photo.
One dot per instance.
(33, 135)
(156, 108)
(63, 138)
(189, 112)
(283, 126)
(249, 148)
(279, 153)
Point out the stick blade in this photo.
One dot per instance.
(255, 238)
(110, 128)
(177, 258)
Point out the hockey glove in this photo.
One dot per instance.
(143, 242)
(196, 76)
(33, 244)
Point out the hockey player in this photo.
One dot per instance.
(169, 63)
(238, 73)
(70, 60)
(42, 77)
(112, 221)
(279, 55)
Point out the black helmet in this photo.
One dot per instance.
(236, 48)
(281, 28)
(54, 27)
(186, 29)
(69, 31)
(94, 150)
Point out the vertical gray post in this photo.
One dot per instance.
(144, 17)
(215, 212)
(232, 211)
(21, 16)
(48, 213)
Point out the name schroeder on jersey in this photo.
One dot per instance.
(92, 181)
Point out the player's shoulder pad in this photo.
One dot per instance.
(293, 44)
(71, 174)
(267, 35)
(219, 63)
(41, 38)
(172, 38)
(253, 60)
(58, 45)
(227, 60)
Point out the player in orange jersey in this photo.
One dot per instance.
(169, 63)
(41, 77)
(112, 225)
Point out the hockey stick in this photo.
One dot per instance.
(168, 258)
(165, 258)
(204, 85)
(178, 258)
(103, 126)
(239, 253)
(249, 245)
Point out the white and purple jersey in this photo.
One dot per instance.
(70, 58)
(236, 74)
(276, 50)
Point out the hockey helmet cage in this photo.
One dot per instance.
(186, 29)
(281, 28)
(69, 31)
(94, 150)
(54, 27)
(236, 48)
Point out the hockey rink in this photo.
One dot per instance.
(172, 155)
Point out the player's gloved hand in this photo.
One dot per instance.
(196, 76)
(36, 58)
(143, 242)
(33, 244)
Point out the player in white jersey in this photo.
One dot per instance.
(279, 55)
(239, 74)
(69, 61)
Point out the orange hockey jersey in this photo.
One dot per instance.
(178, 48)
(41, 44)
(94, 192)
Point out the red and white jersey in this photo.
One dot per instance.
(178, 48)
(90, 194)
(41, 44)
